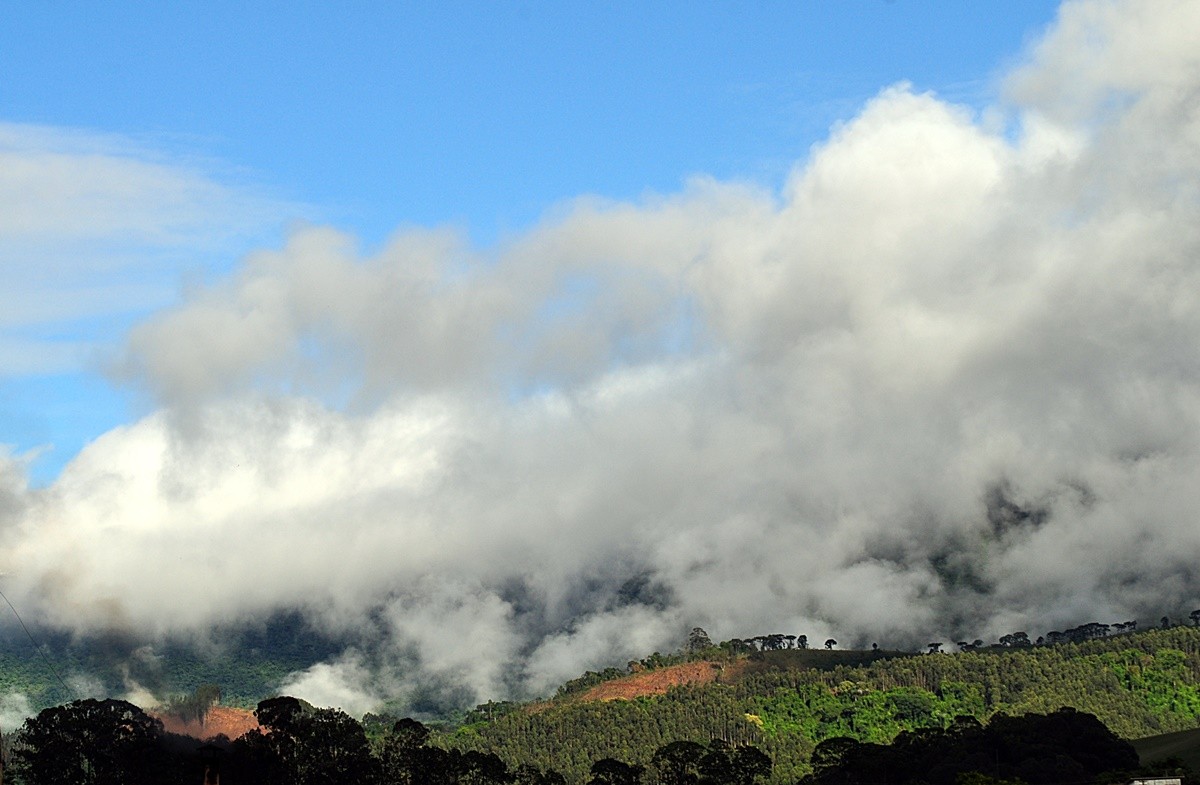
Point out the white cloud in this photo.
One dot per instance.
(945, 383)
(14, 710)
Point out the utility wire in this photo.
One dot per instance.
(37, 646)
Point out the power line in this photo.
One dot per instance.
(37, 646)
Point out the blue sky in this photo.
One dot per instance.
(482, 116)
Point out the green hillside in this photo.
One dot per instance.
(785, 702)
(249, 665)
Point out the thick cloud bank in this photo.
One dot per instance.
(945, 383)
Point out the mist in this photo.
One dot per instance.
(942, 383)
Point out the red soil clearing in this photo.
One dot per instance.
(221, 721)
(657, 681)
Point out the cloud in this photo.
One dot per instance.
(943, 384)
(96, 227)
(14, 709)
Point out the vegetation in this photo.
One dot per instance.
(87, 742)
(249, 666)
(1065, 746)
(794, 705)
(788, 701)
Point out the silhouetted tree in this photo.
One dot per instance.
(610, 771)
(88, 741)
(678, 763)
(1066, 746)
(725, 765)
(934, 647)
(832, 753)
(477, 768)
(829, 644)
(405, 758)
(532, 775)
(300, 745)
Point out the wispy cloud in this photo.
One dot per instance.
(97, 225)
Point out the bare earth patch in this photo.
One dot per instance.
(221, 721)
(659, 680)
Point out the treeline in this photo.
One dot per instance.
(92, 741)
(1138, 685)
(1064, 746)
(89, 741)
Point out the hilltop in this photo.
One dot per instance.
(787, 701)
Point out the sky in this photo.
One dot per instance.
(212, 130)
(563, 328)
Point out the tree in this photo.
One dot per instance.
(400, 753)
(802, 641)
(750, 765)
(678, 763)
(304, 746)
(698, 640)
(1195, 617)
(833, 752)
(532, 775)
(88, 741)
(829, 644)
(725, 765)
(610, 771)
(477, 768)
(406, 759)
(935, 647)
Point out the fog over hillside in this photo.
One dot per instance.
(943, 383)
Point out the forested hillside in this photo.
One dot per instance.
(1138, 684)
(249, 663)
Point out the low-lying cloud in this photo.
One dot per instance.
(944, 383)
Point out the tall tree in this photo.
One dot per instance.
(300, 745)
